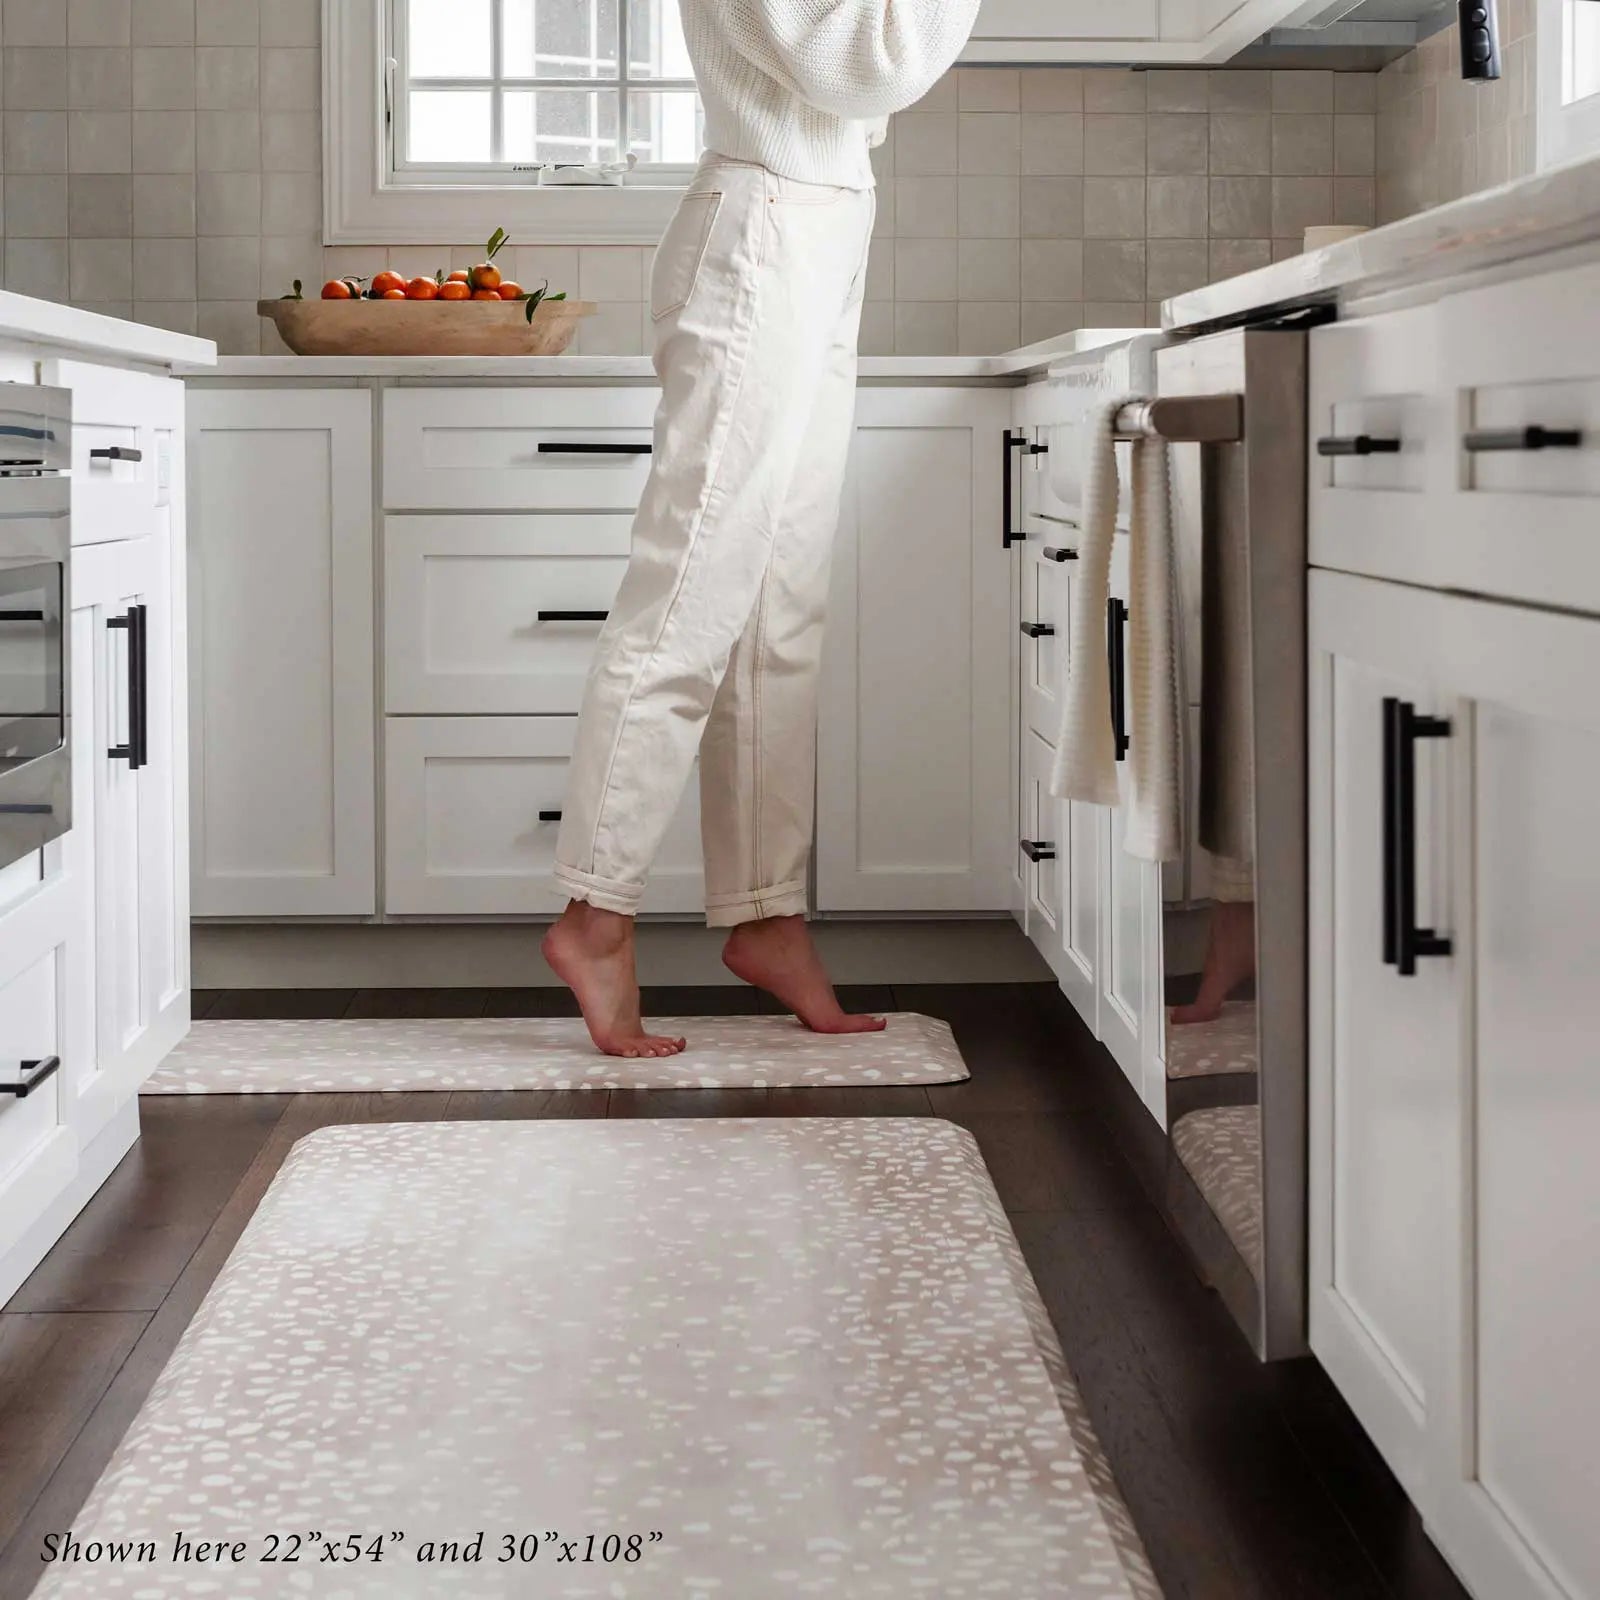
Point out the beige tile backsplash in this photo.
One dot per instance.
(162, 160)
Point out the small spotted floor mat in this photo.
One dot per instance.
(702, 1358)
(1225, 1044)
(357, 1054)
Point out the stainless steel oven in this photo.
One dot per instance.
(35, 605)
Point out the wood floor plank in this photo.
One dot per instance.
(127, 1247)
(691, 1103)
(875, 998)
(54, 1369)
(417, 1003)
(705, 1000)
(1061, 1161)
(516, 1105)
(552, 1001)
(311, 1005)
(841, 1100)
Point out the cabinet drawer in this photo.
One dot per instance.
(32, 1136)
(1039, 818)
(1046, 591)
(464, 835)
(121, 422)
(496, 614)
(516, 449)
(1521, 361)
(1379, 445)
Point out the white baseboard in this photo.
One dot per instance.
(489, 955)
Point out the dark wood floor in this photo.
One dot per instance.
(1248, 1483)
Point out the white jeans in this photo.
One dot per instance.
(712, 645)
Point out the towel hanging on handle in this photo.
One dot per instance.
(1085, 765)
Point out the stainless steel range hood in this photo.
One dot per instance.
(1348, 35)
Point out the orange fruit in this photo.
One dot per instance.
(422, 289)
(460, 275)
(486, 294)
(385, 281)
(393, 294)
(510, 291)
(336, 289)
(455, 289)
(485, 276)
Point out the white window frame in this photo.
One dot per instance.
(363, 203)
(1565, 132)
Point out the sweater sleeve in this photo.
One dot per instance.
(853, 58)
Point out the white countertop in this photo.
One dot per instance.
(1549, 211)
(24, 320)
(1012, 365)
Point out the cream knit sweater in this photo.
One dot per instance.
(805, 86)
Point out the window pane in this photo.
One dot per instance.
(451, 125)
(655, 40)
(560, 39)
(1582, 46)
(449, 39)
(560, 125)
(666, 125)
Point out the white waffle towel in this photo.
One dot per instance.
(1086, 765)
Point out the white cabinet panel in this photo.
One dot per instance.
(1067, 19)
(912, 776)
(463, 826)
(471, 616)
(516, 449)
(282, 653)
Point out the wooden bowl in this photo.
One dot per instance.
(425, 327)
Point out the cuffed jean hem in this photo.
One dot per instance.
(606, 893)
(781, 900)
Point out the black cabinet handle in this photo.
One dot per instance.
(1531, 438)
(1357, 444)
(1038, 849)
(573, 616)
(1403, 941)
(136, 752)
(1039, 630)
(1116, 662)
(591, 447)
(1057, 553)
(549, 816)
(33, 1074)
(117, 452)
(1008, 510)
(21, 616)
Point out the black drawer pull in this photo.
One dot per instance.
(1116, 664)
(1061, 522)
(136, 752)
(21, 616)
(573, 616)
(1403, 941)
(1530, 438)
(27, 808)
(549, 816)
(1357, 444)
(117, 452)
(33, 1074)
(1039, 630)
(1039, 849)
(1057, 553)
(591, 447)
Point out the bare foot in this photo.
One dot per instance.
(1230, 959)
(592, 953)
(776, 954)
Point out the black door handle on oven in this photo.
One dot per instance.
(1357, 444)
(136, 752)
(1531, 438)
(1116, 662)
(33, 1074)
(572, 616)
(117, 452)
(1038, 849)
(591, 447)
(1039, 630)
(1403, 941)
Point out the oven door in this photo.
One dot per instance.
(35, 694)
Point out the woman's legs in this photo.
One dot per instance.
(768, 268)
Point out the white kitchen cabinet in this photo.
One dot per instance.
(1455, 1201)
(281, 573)
(129, 801)
(913, 787)
(473, 812)
(1169, 32)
